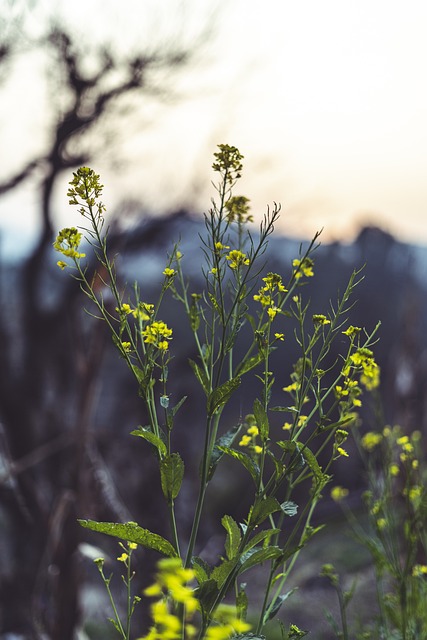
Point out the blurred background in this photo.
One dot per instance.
(327, 102)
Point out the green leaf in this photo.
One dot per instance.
(260, 555)
(201, 569)
(233, 538)
(222, 394)
(262, 509)
(146, 434)
(132, 532)
(279, 467)
(261, 420)
(311, 460)
(225, 440)
(143, 379)
(292, 447)
(261, 536)
(274, 607)
(222, 571)
(245, 460)
(289, 508)
(207, 594)
(248, 364)
(242, 602)
(201, 376)
(177, 406)
(171, 475)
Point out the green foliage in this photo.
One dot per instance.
(235, 295)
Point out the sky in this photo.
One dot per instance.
(326, 99)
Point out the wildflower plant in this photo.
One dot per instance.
(313, 421)
(396, 537)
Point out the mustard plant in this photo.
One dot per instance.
(282, 448)
(395, 534)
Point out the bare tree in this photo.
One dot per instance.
(47, 451)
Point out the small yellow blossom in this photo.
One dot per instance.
(237, 259)
(320, 320)
(351, 331)
(157, 333)
(253, 430)
(370, 440)
(257, 449)
(381, 523)
(245, 441)
(123, 557)
(419, 570)
(394, 469)
(338, 493)
(126, 346)
(238, 210)
(279, 336)
(287, 426)
(144, 311)
(169, 272)
(303, 267)
(342, 452)
(272, 312)
(124, 309)
(61, 264)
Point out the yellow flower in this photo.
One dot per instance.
(253, 431)
(125, 309)
(272, 312)
(370, 440)
(168, 272)
(126, 346)
(303, 267)
(342, 452)
(245, 441)
(419, 570)
(279, 336)
(351, 331)
(381, 523)
(257, 449)
(123, 557)
(157, 333)
(394, 469)
(320, 320)
(61, 264)
(237, 259)
(287, 426)
(338, 493)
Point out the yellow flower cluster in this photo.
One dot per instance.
(227, 624)
(237, 208)
(171, 582)
(157, 333)
(228, 161)
(237, 259)
(302, 268)
(363, 359)
(249, 439)
(67, 243)
(268, 295)
(320, 320)
(338, 493)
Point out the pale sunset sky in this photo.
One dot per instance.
(326, 99)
